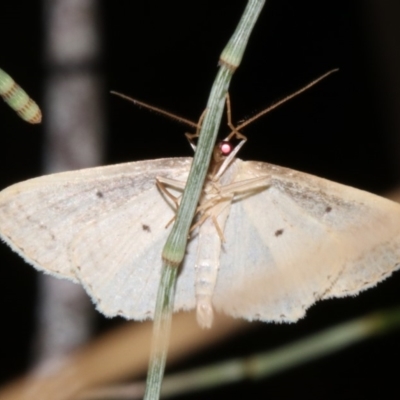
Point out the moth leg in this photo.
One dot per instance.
(227, 192)
(246, 185)
(203, 218)
(215, 185)
(217, 202)
(213, 208)
(198, 223)
(204, 215)
(191, 136)
(218, 228)
(211, 202)
(170, 222)
(161, 184)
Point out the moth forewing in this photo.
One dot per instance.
(308, 239)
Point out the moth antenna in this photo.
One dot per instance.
(157, 110)
(268, 109)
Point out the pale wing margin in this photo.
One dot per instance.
(40, 217)
(302, 239)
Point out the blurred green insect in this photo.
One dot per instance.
(18, 99)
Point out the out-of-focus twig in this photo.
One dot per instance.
(263, 365)
(117, 355)
(74, 127)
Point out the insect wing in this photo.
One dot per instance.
(300, 240)
(41, 217)
(118, 256)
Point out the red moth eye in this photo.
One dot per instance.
(225, 148)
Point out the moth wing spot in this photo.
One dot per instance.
(146, 228)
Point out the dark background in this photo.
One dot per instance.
(166, 53)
